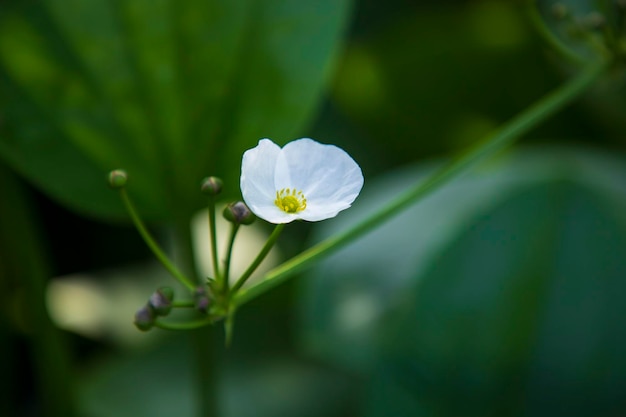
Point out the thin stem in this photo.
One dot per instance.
(229, 328)
(213, 233)
(183, 304)
(229, 253)
(548, 36)
(205, 367)
(185, 325)
(154, 247)
(507, 134)
(255, 264)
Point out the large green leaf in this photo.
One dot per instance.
(501, 294)
(158, 382)
(170, 90)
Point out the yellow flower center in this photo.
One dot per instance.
(290, 200)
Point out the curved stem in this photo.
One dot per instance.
(185, 325)
(154, 247)
(548, 36)
(255, 264)
(507, 134)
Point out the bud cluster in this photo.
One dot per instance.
(159, 304)
(203, 300)
(600, 28)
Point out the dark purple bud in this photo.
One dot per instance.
(161, 301)
(239, 213)
(144, 318)
(201, 299)
(212, 186)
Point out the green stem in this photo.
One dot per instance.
(201, 339)
(548, 36)
(205, 369)
(213, 232)
(507, 134)
(185, 325)
(229, 254)
(255, 264)
(183, 304)
(156, 250)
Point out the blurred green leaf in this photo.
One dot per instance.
(500, 294)
(170, 91)
(24, 268)
(158, 382)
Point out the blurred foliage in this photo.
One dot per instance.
(501, 294)
(442, 75)
(580, 27)
(170, 91)
(440, 78)
(158, 383)
(24, 269)
(580, 30)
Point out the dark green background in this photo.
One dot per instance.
(501, 294)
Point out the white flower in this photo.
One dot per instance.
(304, 180)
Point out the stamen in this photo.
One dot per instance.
(290, 200)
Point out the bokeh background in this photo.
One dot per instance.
(500, 294)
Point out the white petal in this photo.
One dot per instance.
(326, 174)
(275, 215)
(257, 177)
(282, 174)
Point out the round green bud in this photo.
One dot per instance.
(239, 213)
(144, 318)
(212, 186)
(161, 301)
(168, 292)
(118, 178)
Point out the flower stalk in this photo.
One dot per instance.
(260, 257)
(149, 240)
(506, 135)
(229, 254)
(213, 239)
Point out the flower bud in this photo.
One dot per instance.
(201, 299)
(212, 186)
(118, 178)
(161, 301)
(144, 318)
(239, 213)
